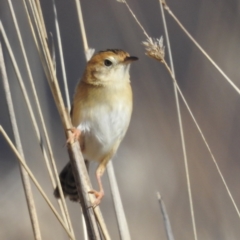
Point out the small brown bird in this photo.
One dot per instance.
(101, 112)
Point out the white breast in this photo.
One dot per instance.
(102, 127)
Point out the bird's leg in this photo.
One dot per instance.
(99, 194)
(75, 135)
(99, 172)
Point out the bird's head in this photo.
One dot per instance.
(111, 65)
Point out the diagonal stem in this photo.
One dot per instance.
(24, 175)
(180, 125)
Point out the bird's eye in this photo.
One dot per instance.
(107, 62)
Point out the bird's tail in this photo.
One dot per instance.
(68, 183)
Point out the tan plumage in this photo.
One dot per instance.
(101, 111)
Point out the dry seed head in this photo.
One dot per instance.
(154, 48)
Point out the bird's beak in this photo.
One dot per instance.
(130, 59)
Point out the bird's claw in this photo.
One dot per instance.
(75, 135)
(98, 195)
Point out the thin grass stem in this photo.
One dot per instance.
(62, 203)
(82, 27)
(200, 48)
(24, 175)
(204, 139)
(29, 106)
(160, 57)
(134, 16)
(121, 218)
(22, 161)
(79, 169)
(166, 220)
(41, 19)
(61, 56)
(180, 125)
(31, 25)
(85, 234)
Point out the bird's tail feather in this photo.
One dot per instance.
(68, 183)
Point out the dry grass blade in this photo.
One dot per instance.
(24, 175)
(180, 126)
(49, 70)
(62, 203)
(135, 18)
(165, 218)
(21, 160)
(182, 96)
(80, 172)
(200, 48)
(61, 56)
(121, 218)
(201, 133)
(29, 105)
(82, 28)
(156, 50)
(204, 140)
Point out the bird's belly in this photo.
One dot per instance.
(102, 129)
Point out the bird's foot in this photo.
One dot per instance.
(75, 135)
(98, 195)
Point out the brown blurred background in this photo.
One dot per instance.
(150, 158)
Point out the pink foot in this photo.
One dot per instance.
(75, 135)
(99, 195)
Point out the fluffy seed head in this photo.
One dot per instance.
(154, 48)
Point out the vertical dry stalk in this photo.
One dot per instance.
(204, 140)
(24, 165)
(81, 24)
(19, 77)
(166, 220)
(166, 7)
(24, 175)
(180, 125)
(121, 218)
(154, 49)
(79, 169)
(62, 203)
(61, 56)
